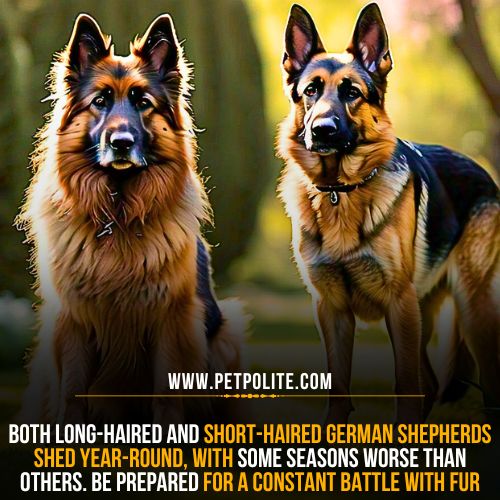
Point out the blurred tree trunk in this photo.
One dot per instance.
(15, 144)
(469, 41)
(228, 103)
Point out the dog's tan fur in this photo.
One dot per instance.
(118, 312)
(365, 256)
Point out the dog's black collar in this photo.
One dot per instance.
(335, 189)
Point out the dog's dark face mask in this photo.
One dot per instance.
(118, 98)
(337, 97)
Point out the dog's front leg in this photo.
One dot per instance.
(180, 346)
(404, 324)
(337, 328)
(76, 353)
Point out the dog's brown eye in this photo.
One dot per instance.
(311, 89)
(348, 91)
(99, 102)
(139, 100)
(143, 103)
(354, 93)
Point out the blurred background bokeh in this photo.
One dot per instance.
(444, 89)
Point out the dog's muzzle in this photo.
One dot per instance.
(120, 151)
(327, 137)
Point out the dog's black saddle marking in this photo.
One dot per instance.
(455, 184)
(204, 290)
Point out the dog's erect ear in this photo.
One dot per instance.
(302, 41)
(370, 43)
(87, 44)
(159, 45)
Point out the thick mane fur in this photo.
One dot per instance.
(67, 192)
(119, 291)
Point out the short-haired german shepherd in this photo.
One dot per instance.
(383, 227)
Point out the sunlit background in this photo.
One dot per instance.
(442, 90)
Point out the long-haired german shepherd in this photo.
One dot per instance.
(383, 227)
(114, 213)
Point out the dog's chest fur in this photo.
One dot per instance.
(360, 281)
(124, 279)
(135, 263)
(357, 252)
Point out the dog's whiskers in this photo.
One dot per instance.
(91, 149)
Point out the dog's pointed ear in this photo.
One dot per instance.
(159, 46)
(87, 44)
(302, 41)
(370, 43)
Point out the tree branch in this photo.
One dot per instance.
(468, 39)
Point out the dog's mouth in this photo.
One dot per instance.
(326, 148)
(323, 149)
(109, 159)
(122, 164)
(121, 169)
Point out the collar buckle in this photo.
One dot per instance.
(107, 229)
(344, 188)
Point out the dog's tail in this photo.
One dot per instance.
(227, 346)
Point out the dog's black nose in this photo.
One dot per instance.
(121, 141)
(323, 133)
(325, 129)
